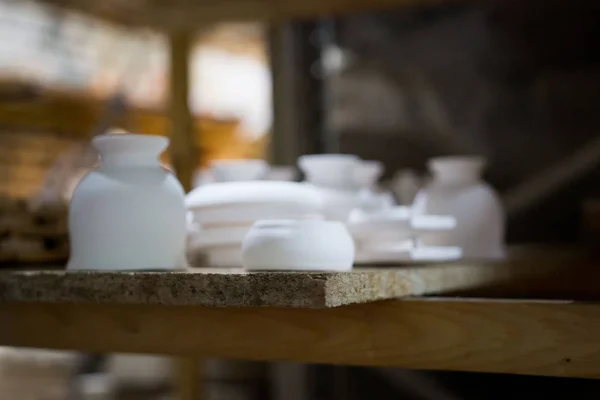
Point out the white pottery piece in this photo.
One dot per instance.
(391, 234)
(333, 176)
(314, 245)
(129, 213)
(238, 170)
(367, 172)
(248, 213)
(335, 171)
(191, 224)
(337, 203)
(391, 224)
(366, 176)
(397, 214)
(224, 194)
(457, 190)
(407, 252)
(432, 223)
(399, 220)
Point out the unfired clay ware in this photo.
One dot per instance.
(223, 194)
(298, 245)
(129, 213)
(238, 170)
(457, 190)
(334, 171)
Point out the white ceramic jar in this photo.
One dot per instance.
(333, 176)
(366, 176)
(313, 245)
(238, 170)
(457, 190)
(129, 213)
(333, 171)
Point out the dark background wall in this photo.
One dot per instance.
(516, 81)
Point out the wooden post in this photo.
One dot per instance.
(183, 158)
(188, 378)
(183, 149)
(284, 145)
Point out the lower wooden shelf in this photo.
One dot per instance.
(506, 336)
(370, 317)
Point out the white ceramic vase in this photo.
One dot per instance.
(457, 189)
(333, 175)
(366, 176)
(238, 170)
(129, 213)
(333, 171)
(314, 245)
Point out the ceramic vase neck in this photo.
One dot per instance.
(132, 160)
(457, 170)
(130, 149)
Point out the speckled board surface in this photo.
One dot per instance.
(237, 288)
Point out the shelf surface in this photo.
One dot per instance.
(335, 318)
(507, 336)
(543, 273)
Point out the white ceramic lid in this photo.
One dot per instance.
(238, 170)
(273, 192)
(436, 253)
(395, 214)
(241, 214)
(433, 223)
(402, 254)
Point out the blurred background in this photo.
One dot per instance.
(515, 81)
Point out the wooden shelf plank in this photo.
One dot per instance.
(187, 14)
(520, 337)
(533, 274)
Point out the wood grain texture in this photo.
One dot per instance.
(520, 337)
(188, 378)
(171, 15)
(552, 273)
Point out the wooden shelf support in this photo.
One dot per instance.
(183, 149)
(188, 377)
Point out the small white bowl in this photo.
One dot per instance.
(307, 245)
(330, 170)
(436, 253)
(238, 170)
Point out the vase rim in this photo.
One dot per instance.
(130, 143)
(297, 223)
(457, 160)
(129, 135)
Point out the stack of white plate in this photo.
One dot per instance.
(392, 235)
(221, 214)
